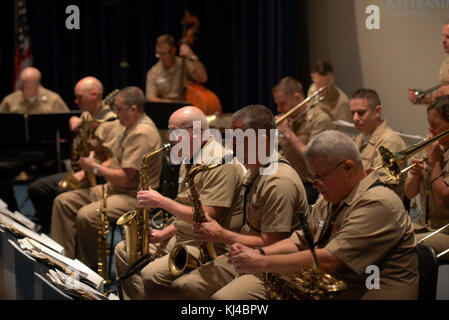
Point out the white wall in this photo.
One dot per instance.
(405, 52)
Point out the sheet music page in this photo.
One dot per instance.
(17, 216)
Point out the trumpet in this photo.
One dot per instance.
(393, 162)
(421, 94)
(302, 103)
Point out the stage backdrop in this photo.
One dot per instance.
(247, 46)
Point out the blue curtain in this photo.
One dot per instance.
(246, 45)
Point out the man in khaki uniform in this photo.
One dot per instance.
(73, 221)
(218, 191)
(357, 223)
(336, 102)
(274, 198)
(431, 180)
(32, 96)
(366, 110)
(88, 97)
(165, 81)
(298, 129)
(442, 77)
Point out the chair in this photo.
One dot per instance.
(428, 272)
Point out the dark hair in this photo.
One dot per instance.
(133, 96)
(255, 117)
(370, 95)
(323, 67)
(289, 86)
(441, 104)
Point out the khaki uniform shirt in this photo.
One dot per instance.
(335, 103)
(166, 83)
(438, 216)
(274, 201)
(130, 147)
(369, 227)
(305, 128)
(444, 71)
(383, 135)
(47, 101)
(218, 187)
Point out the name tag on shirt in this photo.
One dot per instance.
(320, 224)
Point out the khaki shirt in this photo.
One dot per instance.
(47, 101)
(274, 201)
(335, 103)
(218, 187)
(438, 216)
(370, 228)
(305, 128)
(444, 71)
(166, 83)
(383, 135)
(130, 147)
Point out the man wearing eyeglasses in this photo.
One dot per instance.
(166, 79)
(366, 115)
(88, 96)
(356, 225)
(75, 213)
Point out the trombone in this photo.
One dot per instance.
(393, 162)
(421, 94)
(295, 108)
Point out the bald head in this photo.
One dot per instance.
(184, 118)
(89, 94)
(30, 79)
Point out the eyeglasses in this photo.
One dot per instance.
(116, 108)
(320, 180)
(159, 54)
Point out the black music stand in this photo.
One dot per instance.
(50, 127)
(12, 129)
(160, 112)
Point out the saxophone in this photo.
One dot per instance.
(81, 146)
(314, 284)
(136, 222)
(102, 239)
(179, 259)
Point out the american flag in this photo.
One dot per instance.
(23, 56)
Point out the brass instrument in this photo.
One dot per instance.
(102, 232)
(295, 108)
(179, 259)
(393, 162)
(136, 223)
(421, 94)
(304, 284)
(81, 146)
(161, 219)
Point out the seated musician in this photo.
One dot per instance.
(165, 81)
(366, 111)
(218, 191)
(88, 97)
(31, 98)
(355, 224)
(336, 102)
(431, 180)
(74, 214)
(298, 129)
(274, 198)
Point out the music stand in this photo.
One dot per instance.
(50, 127)
(12, 129)
(160, 112)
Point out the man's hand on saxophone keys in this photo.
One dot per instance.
(150, 199)
(209, 230)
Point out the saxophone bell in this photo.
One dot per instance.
(180, 260)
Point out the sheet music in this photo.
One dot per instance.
(45, 240)
(17, 216)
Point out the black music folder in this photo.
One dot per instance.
(160, 112)
(12, 129)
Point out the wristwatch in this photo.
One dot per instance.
(95, 170)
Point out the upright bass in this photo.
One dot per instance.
(195, 93)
